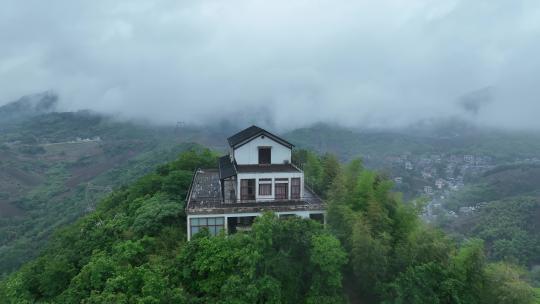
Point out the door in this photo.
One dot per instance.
(295, 188)
(247, 189)
(282, 191)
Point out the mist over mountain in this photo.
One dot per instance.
(291, 64)
(28, 106)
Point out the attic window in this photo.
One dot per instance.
(265, 155)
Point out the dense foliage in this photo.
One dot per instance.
(63, 197)
(55, 167)
(506, 215)
(132, 249)
(396, 258)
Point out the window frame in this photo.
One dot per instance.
(267, 182)
(245, 195)
(269, 156)
(214, 224)
(279, 183)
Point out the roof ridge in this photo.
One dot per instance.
(253, 131)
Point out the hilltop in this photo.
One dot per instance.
(133, 249)
(28, 106)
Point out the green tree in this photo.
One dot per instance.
(504, 285)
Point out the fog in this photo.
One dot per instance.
(283, 62)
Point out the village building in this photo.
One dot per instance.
(439, 183)
(256, 176)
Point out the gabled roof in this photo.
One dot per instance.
(245, 135)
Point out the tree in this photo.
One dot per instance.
(505, 286)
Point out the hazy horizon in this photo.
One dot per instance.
(285, 63)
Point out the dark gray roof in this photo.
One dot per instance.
(241, 137)
(226, 167)
(266, 168)
(205, 186)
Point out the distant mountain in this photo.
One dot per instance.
(451, 136)
(28, 106)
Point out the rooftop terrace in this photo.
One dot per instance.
(205, 198)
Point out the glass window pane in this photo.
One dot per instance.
(194, 230)
(219, 221)
(195, 222)
(211, 221)
(203, 221)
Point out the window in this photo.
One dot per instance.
(295, 188)
(318, 217)
(265, 186)
(265, 155)
(282, 189)
(214, 224)
(247, 189)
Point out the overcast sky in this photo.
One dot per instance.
(374, 63)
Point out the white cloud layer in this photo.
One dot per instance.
(374, 63)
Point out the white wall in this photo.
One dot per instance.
(273, 176)
(248, 154)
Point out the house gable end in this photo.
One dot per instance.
(245, 136)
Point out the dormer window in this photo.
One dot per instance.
(265, 155)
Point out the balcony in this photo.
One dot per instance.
(205, 197)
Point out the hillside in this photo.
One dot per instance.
(55, 166)
(505, 213)
(132, 249)
(27, 107)
(443, 137)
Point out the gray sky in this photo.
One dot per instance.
(374, 63)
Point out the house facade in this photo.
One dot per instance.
(256, 176)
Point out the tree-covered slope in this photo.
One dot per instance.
(507, 215)
(133, 249)
(54, 167)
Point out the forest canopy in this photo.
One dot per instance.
(133, 249)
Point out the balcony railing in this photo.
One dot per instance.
(311, 199)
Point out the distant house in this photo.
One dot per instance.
(439, 183)
(468, 159)
(408, 165)
(256, 176)
(428, 190)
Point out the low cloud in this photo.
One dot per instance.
(286, 62)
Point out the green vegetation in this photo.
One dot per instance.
(507, 218)
(132, 249)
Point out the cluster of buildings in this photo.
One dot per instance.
(436, 174)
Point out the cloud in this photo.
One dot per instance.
(288, 62)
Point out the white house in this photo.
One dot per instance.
(256, 176)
